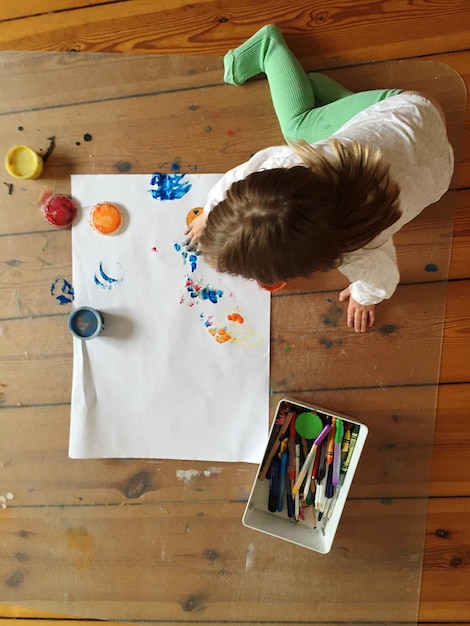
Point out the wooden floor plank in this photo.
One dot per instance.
(446, 561)
(449, 476)
(360, 31)
(328, 37)
(212, 562)
(456, 345)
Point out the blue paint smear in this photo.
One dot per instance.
(104, 281)
(107, 278)
(204, 293)
(100, 284)
(62, 291)
(168, 186)
(213, 295)
(188, 257)
(431, 267)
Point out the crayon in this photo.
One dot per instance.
(345, 444)
(352, 444)
(331, 442)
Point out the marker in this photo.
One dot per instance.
(318, 455)
(320, 494)
(291, 447)
(290, 501)
(306, 465)
(297, 469)
(334, 499)
(329, 490)
(274, 485)
(283, 476)
(308, 482)
(337, 451)
(307, 504)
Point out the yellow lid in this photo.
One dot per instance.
(23, 162)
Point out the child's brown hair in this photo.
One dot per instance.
(277, 224)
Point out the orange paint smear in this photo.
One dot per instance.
(235, 317)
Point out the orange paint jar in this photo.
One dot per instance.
(106, 218)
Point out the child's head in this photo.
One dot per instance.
(278, 224)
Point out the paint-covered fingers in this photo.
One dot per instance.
(194, 231)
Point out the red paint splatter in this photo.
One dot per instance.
(230, 133)
(154, 249)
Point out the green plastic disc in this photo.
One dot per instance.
(308, 425)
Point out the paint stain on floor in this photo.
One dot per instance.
(333, 316)
(81, 544)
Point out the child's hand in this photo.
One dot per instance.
(358, 314)
(195, 230)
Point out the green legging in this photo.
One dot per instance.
(308, 106)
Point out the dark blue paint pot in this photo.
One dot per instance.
(85, 323)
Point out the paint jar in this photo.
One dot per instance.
(106, 218)
(23, 162)
(272, 288)
(85, 323)
(59, 211)
(191, 216)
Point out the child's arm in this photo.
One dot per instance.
(374, 276)
(359, 316)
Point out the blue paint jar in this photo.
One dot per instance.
(85, 323)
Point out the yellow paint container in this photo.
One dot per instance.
(23, 162)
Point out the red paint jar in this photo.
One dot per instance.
(59, 211)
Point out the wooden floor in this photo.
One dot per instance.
(343, 34)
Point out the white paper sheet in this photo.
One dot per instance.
(157, 383)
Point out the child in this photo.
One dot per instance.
(357, 167)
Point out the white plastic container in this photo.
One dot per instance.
(278, 524)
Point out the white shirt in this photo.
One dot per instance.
(412, 137)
